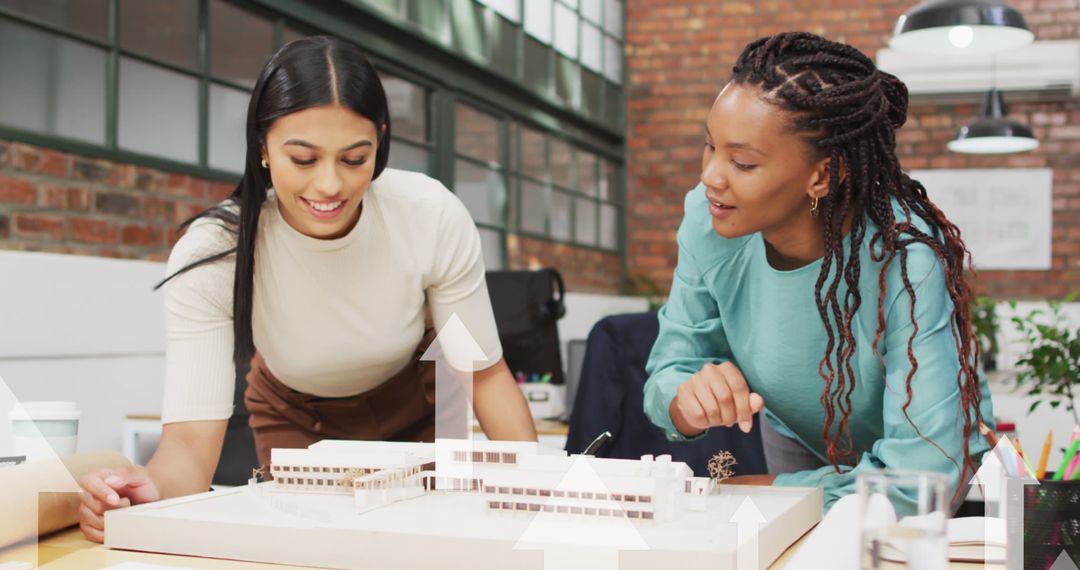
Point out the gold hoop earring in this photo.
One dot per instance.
(265, 164)
(814, 208)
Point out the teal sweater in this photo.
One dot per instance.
(728, 304)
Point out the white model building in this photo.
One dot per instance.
(513, 500)
(511, 476)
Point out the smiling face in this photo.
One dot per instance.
(758, 174)
(321, 162)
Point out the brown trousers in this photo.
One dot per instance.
(400, 409)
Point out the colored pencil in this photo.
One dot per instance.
(1059, 475)
(1023, 468)
(1041, 474)
(993, 441)
(988, 434)
(1074, 466)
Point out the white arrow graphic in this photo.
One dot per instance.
(454, 351)
(1008, 492)
(1063, 562)
(572, 542)
(748, 520)
(46, 475)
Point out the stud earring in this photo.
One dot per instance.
(265, 164)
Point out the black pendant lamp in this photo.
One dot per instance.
(993, 132)
(942, 27)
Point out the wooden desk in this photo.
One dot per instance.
(68, 550)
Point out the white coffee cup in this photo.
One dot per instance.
(41, 429)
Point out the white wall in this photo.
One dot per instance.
(82, 329)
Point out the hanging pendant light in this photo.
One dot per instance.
(993, 132)
(941, 27)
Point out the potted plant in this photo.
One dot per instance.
(985, 324)
(642, 285)
(1050, 369)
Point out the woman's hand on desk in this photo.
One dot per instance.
(718, 395)
(108, 489)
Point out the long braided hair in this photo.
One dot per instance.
(849, 111)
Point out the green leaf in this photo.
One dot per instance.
(1034, 405)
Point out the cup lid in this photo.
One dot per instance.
(45, 411)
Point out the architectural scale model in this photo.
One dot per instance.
(473, 504)
(511, 476)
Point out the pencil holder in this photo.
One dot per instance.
(1051, 523)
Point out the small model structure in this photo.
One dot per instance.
(511, 476)
(471, 504)
(721, 466)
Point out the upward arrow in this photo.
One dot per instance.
(581, 542)
(454, 352)
(992, 472)
(46, 475)
(748, 520)
(996, 482)
(456, 343)
(1063, 562)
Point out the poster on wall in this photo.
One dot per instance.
(1004, 214)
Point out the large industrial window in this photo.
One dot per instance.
(166, 83)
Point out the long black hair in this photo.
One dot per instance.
(310, 72)
(849, 110)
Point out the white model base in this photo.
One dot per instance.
(742, 527)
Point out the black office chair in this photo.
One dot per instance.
(610, 397)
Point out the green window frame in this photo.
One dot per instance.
(115, 52)
(472, 29)
(591, 219)
(605, 194)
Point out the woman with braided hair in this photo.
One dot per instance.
(817, 283)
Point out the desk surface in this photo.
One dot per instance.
(68, 550)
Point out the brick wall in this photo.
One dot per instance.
(56, 202)
(583, 270)
(62, 203)
(679, 52)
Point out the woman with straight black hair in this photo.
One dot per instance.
(328, 273)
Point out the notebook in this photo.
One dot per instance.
(971, 539)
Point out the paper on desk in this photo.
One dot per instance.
(974, 530)
(836, 537)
